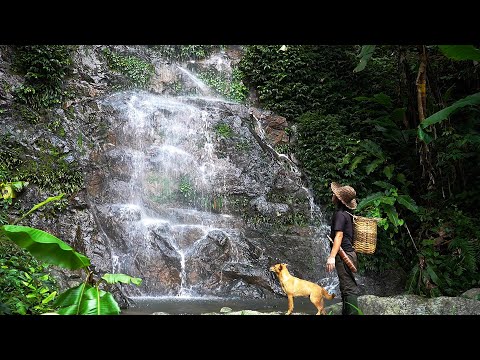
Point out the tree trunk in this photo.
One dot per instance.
(407, 87)
(424, 150)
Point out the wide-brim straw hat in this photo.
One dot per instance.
(346, 194)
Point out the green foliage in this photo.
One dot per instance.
(370, 140)
(9, 189)
(137, 71)
(44, 67)
(223, 130)
(186, 188)
(84, 299)
(164, 188)
(47, 168)
(35, 207)
(121, 278)
(320, 151)
(445, 113)
(365, 55)
(359, 311)
(230, 87)
(238, 90)
(383, 204)
(185, 52)
(449, 256)
(26, 287)
(45, 247)
(460, 52)
(306, 78)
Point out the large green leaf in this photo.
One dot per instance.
(116, 278)
(473, 99)
(98, 302)
(422, 135)
(365, 55)
(408, 202)
(45, 247)
(460, 52)
(85, 299)
(369, 200)
(70, 300)
(393, 215)
(108, 305)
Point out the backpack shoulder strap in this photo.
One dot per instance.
(353, 216)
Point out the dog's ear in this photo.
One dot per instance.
(280, 266)
(285, 265)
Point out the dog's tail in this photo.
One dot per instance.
(326, 295)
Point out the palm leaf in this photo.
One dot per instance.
(443, 114)
(45, 247)
(108, 305)
(460, 52)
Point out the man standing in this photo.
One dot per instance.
(342, 234)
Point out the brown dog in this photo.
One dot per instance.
(294, 286)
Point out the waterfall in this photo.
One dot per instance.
(168, 205)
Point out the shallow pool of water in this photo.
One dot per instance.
(199, 305)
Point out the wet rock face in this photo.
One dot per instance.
(185, 192)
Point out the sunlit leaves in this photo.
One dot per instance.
(121, 278)
(365, 55)
(45, 247)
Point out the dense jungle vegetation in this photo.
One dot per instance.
(398, 123)
(362, 118)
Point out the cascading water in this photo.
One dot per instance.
(169, 197)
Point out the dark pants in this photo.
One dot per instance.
(347, 283)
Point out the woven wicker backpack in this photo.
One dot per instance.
(364, 234)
